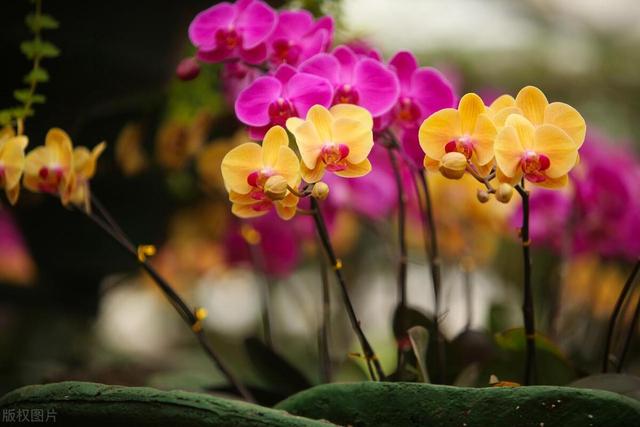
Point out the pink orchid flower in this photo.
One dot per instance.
(297, 37)
(229, 31)
(271, 100)
(357, 80)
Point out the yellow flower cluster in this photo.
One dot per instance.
(261, 177)
(55, 168)
(525, 137)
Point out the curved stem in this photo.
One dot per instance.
(402, 259)
(630, 334)
(436, 275)
(176, 301)
(616, 313)
(372, 360)
(527, 305)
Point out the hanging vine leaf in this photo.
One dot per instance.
(37, 75)
(41, 22)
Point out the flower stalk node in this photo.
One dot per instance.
(145, 251)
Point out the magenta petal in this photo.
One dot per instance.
(411, 146)
(284, 73)
(431, 91)
(348, 60)
(256, 22)
(252, 105)
(256, 55)
(323, 65)
(377, 86)
(306, 90)
(293, 24)
(258, 133)
(325, 23)
(202, 29)
(313, 44)
(404, 64)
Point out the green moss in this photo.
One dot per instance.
(81, 403)
(411, 404)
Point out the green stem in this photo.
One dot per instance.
(109, 226)
(527, 305)
(616, 313)
(323, 338)
(373, 363)
(36, 62)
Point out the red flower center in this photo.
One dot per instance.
(533, 165)
(280, 110)
(346, 94)
(228, 38)
(407, 112)
(285, 52)
(50, 178)
(461, 145)
(335, 156)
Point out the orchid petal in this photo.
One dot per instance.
(355, 170)
(470, 107)
(238, 164)
(437, 130)
(354, 135)
(252, 105)
(404, 63)
(568, 119)
(532, 102)
(558, 147)
(377, 86)
(256, 22)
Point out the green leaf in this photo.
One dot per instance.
(38, 48)
(5, 116)
(41, 22)
(627, 385)
(37, 98)
(278, 372)
(22, 95)
(419, 337)
(37, 75)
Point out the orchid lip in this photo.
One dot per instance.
(346, 94)
(461, 145)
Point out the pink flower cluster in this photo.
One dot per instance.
(278, 64)
(600, 214)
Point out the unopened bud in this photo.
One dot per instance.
(504, 193)
(483, 196)
(453, 165)
(320, 190)
(188, 69)
(275, 187)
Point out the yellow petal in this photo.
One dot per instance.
(559, 147)
(501, 103)
(312, 175)
(568, 119)
(321, 119)
(13, 161)
(354, 135)
(12, 194)
(308, 142)
(484, 136)
(6, 132)
(508, 151)
(532, 102)
(470, 107)
(293, 123)
(285, 212)
(289, 200)
(238, 164)
(431, 164)
(523, 128)
(355, 170)
(512, 180)
(241, 199)
(554, 183)
(273, 140)
(288, 165)
(501, 117)
(247, 211)
(437, 130)
(85, 161)
(350, 111)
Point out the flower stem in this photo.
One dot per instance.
(109, 226)
(433, 254)
(372, 360)
(323, 338)
(527, 305)
(616, 313)
(630, 334)
(402, 259)
(257, 259)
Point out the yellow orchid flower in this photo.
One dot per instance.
(468, 130)
(11, 162)
(338, 140)
(257, 177)
(49, 168)
(84, 167)
(533, 104)
(542, 154)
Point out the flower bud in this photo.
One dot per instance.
(453, 165)
(188, 69)
(320, 190)
(483, 196)
(275, 187)
(504, 193)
